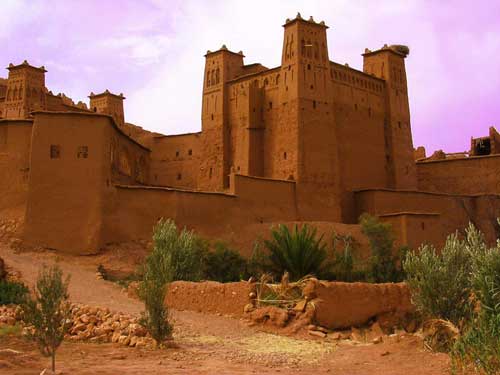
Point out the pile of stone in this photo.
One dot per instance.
(8, 229)
(95, 324)
(92, 324)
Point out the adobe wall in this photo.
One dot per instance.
(130, 161)
(455, 212)
(65, 195)
(338, 305)
(175, 160)
(343, 305)
(472, 175)
(74, 159)
(131, 212)
(15, 144)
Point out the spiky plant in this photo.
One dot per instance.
(297, 252)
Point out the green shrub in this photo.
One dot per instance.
(224, 264)
(175, 256)
(298, 252)
(155, 318)
(479, 347)
(12, 293)
(49, 311)
(440, 281)
(384, 266)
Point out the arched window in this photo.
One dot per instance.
(217, 75)
(287, 49)
(208, 78)
(291, 46)
(309, 48)
(213, 77)
(316, 50)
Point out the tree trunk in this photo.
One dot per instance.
(53, 361)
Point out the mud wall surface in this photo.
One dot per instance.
(15, 144)
(69, 168)
(472, 175)
(338, 305)
(342, 305)
(209, 297)
(131, 212)
(454, 212)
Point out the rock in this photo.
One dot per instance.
(301, 305)
(357, 335)
(248, 308)
(311, 327)
(335, 335)
(377, 340)
(322, 329)
(317, 334)
(374, 332)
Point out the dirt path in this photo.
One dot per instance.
(206, 344)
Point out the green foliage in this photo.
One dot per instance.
(48, 312)
(298, 252)
(15, 330)
(224, 264)
(383, 263)
(479, 346)
(343, 265)
(440, 281)
(12, 293)
(175, 256)
(155, 318)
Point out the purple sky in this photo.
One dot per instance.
(152, 51)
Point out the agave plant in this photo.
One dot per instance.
(297, 252)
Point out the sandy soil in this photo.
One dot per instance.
(204, 343)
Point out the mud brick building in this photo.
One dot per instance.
(310, 140)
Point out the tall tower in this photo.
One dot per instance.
(220, 67)
(109, 104)
(307, 116)
(25, 90)
(388, 63)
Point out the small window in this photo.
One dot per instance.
(210, 173)
(190, 152)
(284, 155)
(369, 112)
(270, 105)
(55, 151)
(176, 153)
(399, 124)
(83, 152)
(423, 225)
(179, 176)
(308, 66)
(212, 116)
(314, 104)
(356, 106)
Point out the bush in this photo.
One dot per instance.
(384, 265)
(155, 318)
(224, 265)
(175, 256)
(440, 282)
(298, 252)
(479, 346)
(12, 293)
(49, 311)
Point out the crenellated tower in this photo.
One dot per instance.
(388, 63)
(220, 67)
(25, 90)
(109, 104)
(306, 113)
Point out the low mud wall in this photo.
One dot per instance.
(209, 297)
(343, 305)
(337, 305)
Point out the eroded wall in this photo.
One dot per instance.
(175, 160)
(15, 144)
(472, 175)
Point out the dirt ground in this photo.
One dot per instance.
(203, 343)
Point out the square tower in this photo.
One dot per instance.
(25, 90)
(109, 104)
